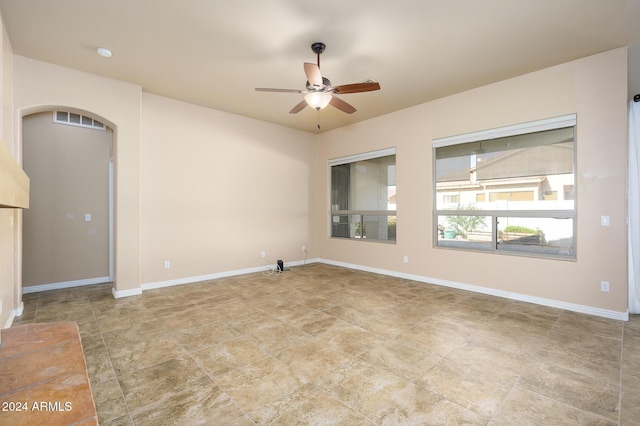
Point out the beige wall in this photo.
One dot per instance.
(69, 171)
(268, 185)
(595, 88)
(40, 86)
(9, 299)
(218, 189)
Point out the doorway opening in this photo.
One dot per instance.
(67, 237)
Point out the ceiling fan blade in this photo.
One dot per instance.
(313, 74)
(266, 89)
(342, 105)
(298, 107)
(357, 87)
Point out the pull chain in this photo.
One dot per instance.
(318, 109)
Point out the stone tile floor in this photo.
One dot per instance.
(326, 345)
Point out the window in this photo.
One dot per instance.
(515, 190)
(363, 196)
(73, 119)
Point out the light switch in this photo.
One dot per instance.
(604, 220)
(87, 217)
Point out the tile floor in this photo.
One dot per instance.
(326, 345)
(43, 376)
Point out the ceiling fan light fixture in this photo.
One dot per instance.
(318, 100)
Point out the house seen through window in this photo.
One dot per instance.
(509, 190)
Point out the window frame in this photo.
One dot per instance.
(554, 123)
(355, 212)
(83, 120)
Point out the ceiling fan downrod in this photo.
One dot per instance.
(318, 48)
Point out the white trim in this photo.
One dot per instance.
(64, 284)
(190, 280)
(362, 157)
(589, 310)
(501, 132)
(19, 310)
(605, 313)
(9, 321)
(199, 278)
(118, 294)
(111, 210)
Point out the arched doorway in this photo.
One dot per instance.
(67, 234)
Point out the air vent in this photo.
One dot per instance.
(73, 119)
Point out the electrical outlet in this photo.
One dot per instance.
(167, 264)
(604, 286)
(263, 254)
(406, 259)
(304, 249)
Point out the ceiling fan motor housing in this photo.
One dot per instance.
(326, 85)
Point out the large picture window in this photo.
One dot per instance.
(363, 196)
(508, 190)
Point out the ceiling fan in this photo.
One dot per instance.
(320, 92)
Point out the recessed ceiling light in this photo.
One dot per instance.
(106, 53)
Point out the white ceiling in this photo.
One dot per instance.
(215, 52)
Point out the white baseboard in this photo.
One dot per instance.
(9, 322)
(19, 310)
(149, 286)
(225, 274)
(198, 278)
(16, 312)
(118, 294)
(605, 313)
(64, 284)
(621, 316)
